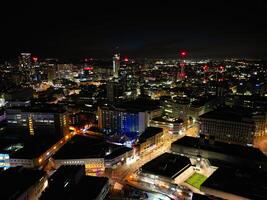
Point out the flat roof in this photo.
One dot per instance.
(42, 108)
(139, 105)
(95, 184)
(220, 147)
(161, 119)
(80, 147)
(70, 182)
(149, 132)
(167, 165)
(34, 147)
(250, 184)
(15, 181)
(239, 114)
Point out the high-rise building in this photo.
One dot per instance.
(50, 121)
(121, 120)
(114, 91)
(25, 60)
(116, 65)
(133, 117)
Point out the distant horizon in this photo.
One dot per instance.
(66, 58)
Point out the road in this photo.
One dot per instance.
(121, 173)
(125, 174)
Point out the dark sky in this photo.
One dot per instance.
(207, 28)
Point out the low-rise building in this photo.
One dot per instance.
(22, 183)
(94, 153)
(149, 140)
(168, 124)
(220, 152)
(70, 182)
(236, 184)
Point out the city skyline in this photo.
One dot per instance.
(157, 100)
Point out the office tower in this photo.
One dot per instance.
(132, 117)
(37, 120)
(114, 91)
(25, 60)
(182, 65)
(116, 65)
(51, 73)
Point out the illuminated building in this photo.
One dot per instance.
(220, 152)
(184, 108)
(37, 120)
(2, 101)
(116, 65)
(169, 125)
(51, 73)
(152, 138)
(233, 125)
(182, 75)
(164, 171)
(25, 61)
(93, 153)
(128, 118)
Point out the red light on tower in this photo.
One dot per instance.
(88, 68)
(35, 59)
(205, 68)
(126, 59)
(182, 64)
(221, 68)
(183, 53)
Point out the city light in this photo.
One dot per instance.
(134, 106)
(183, 53)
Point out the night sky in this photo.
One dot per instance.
(217, 28)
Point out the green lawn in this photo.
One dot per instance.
(196, 180)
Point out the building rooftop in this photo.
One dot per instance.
(95, 184)
(139, 105)
(162, 119)
(42, 108)
(167, 165)
(149, 132)
(239, 114)
(245, 152)
(201, 101)
(26, 148)
(15, 181)
(70, 182)
(89, 147)
(249, 184)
